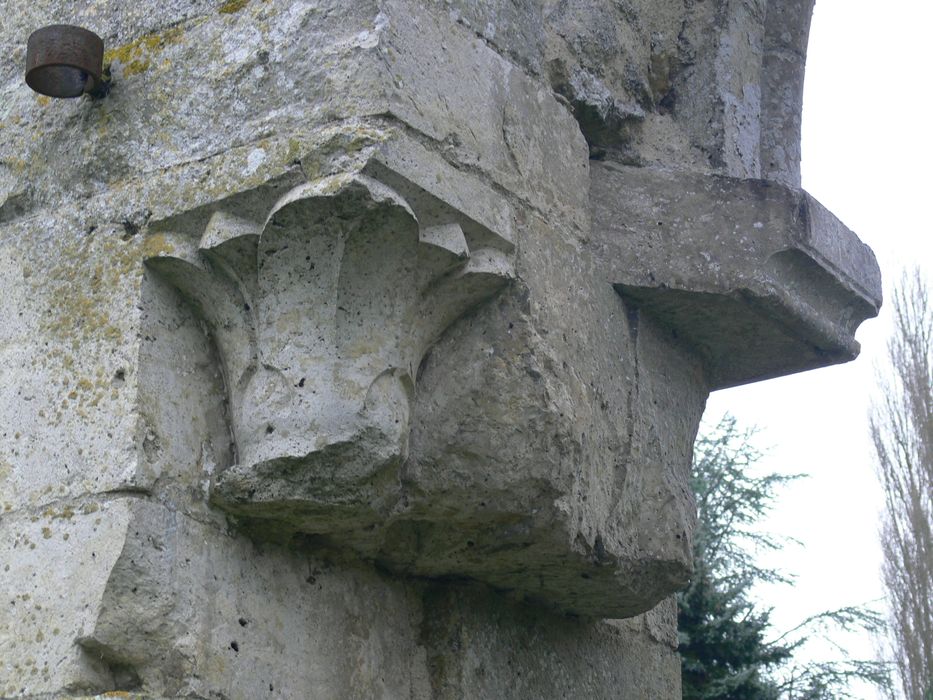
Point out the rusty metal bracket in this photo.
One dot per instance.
(65, 61)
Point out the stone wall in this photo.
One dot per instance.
(357, 349)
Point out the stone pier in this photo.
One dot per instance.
(356, 348)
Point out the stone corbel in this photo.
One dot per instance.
(757, 278)
(322, 298)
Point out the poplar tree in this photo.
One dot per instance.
(902, 432)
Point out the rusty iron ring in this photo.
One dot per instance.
(64, 61)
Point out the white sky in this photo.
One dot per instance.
(867, 154)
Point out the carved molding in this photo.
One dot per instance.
(757, 278)
(322, 298)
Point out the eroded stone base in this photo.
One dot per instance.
(187, 609)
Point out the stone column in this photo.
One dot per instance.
(357, 349)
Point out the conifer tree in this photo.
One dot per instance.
(728, 648)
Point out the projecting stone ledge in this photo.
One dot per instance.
(758, 279)
(418, 370)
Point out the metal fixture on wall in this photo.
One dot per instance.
(65, 61)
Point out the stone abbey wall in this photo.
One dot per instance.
(356, 349)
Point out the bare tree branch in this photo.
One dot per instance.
(902, 434)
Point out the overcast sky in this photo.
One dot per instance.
(867, 154)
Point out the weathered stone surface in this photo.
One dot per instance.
(56, 563)
(533, 449)
(711, 86)
(188, 610)
(759, 279)
(216, 621)
(323, 299)
(476, 646)
(64, 362)
(233, 69)
(335, 363)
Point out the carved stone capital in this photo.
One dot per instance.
(322, 298)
